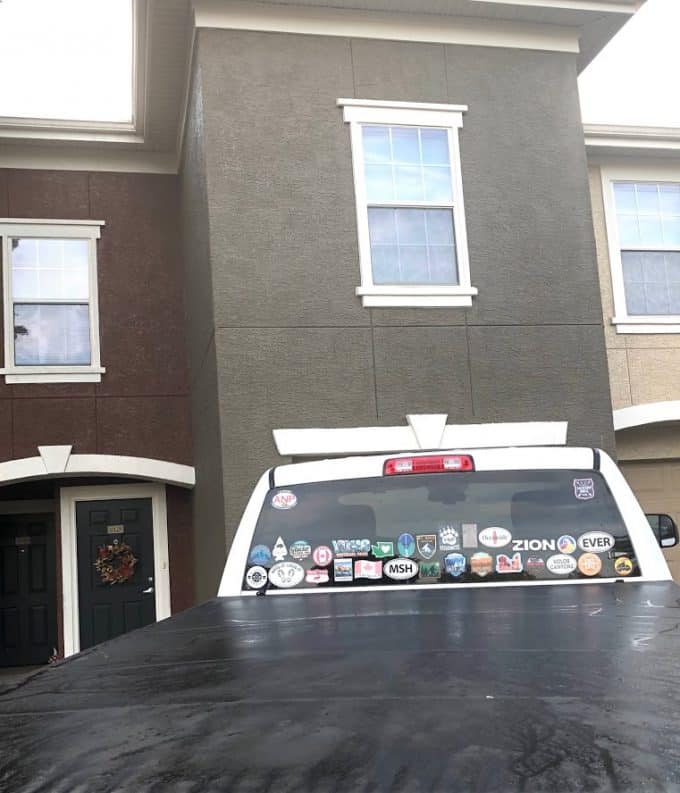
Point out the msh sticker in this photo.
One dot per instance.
(584, 489)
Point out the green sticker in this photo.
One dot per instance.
(382, 549)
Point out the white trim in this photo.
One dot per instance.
(89, 230)
(69, 554)
(610, 175)
(621, 7)
(616, 136)
(366, 440)
(648, 413)
(358, 112)
(353, 23)
(28, 468)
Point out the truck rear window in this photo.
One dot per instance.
(444, 528)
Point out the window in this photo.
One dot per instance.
(643, 224)
(409, 196)
(50, 308)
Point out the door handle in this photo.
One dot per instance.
(147, 591)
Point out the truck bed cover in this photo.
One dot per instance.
(544, 688)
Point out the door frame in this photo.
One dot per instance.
(69, 497)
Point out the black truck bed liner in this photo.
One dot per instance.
(544, 688)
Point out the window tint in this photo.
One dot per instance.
(440, 528)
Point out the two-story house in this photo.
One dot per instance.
(321, 216)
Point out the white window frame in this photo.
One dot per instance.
(357, 112)
(622, 320)
(88, 230)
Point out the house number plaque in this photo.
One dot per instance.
(22, 541)
(117, 529)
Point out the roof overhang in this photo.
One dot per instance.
(607, 140)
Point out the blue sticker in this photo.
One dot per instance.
(261, 555)
(455, 564)
(406, 545)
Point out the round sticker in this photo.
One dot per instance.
(560, 564)
(589, 564)
(566, 544)
(481, 563)
(596, 542)
(400, 569)
(406, 544)
(322, 556)
(495, 537)
(261, 555)
(286, 574)
(623, 566)
(256, 577)
(300, 549)
(284, 499)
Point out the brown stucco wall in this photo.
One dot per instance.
(141, 406)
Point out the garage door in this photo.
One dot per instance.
(657, 486)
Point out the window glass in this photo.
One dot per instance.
(652, 282)
(468, 527)
(51, 334)
(51, 269)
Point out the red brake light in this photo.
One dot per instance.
(428, 465)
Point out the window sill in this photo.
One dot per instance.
(416, 296)
(649, 324)
(53, 374)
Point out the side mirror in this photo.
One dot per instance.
(665, 529)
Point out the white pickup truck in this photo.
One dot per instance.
(473, 620)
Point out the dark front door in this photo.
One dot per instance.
(28, 608)
(109, 609)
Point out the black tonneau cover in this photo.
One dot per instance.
(560, 688)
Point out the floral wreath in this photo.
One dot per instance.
(115, 563)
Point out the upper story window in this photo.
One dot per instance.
(51, 318)
(409, 196)
(643, 224)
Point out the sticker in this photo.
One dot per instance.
(535, 565)
(589, 564)
(623, 566)
(316, 576)
(365, 569)
(429, 571)
(342, 570)
(352, 547)
(596, 541)
(481, 563)
(280, 551)
(406, 544)
(455, 564)
(449, 538)
(469, 535)
(300, 549)
(322, 556)
(286, 574)
(427, 545)
(284, 499)
(256, 577)
(260, 554)
(400, 569)
(495, 537)
(534, 545)
(509, 564)
(566, 544)
(584, 489)
(382, 549)
(560, 564)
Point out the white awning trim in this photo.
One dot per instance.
(58, 461)
(423, 431)
(648, 413)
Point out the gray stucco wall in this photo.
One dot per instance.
(294, 347)
(208, 501)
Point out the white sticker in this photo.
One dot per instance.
(400, 569)
(561, 564)
(596, 542)
(495, 537)
(284, 499)
(279, 552)
(584, 489)
(469, 535)
(256, 577)
(286, 574)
